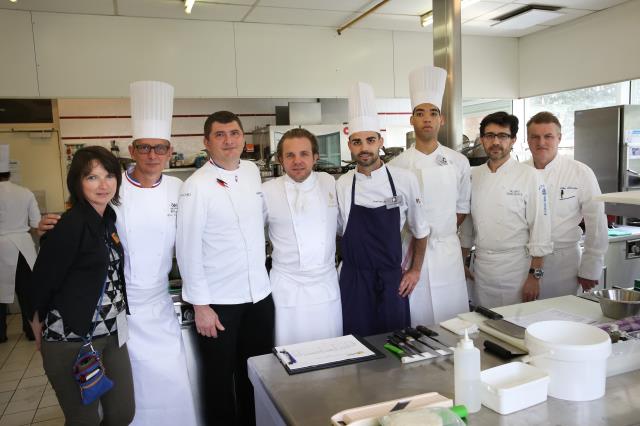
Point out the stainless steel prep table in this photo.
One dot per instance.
(310, 399)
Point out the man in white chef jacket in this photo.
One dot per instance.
(221, 254)
(302, 216)
(146, 224)
(18, 213)
(571, 187)
(509, 222)
(375, 202)
(444, 177)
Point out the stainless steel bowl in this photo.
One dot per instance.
(618, 303)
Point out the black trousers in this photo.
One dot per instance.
(23, 275)
(227, 397)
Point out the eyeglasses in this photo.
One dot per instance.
(502, 137)
(144, 148)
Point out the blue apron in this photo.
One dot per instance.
(371, 270)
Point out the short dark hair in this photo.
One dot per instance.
(544, 117)
(223, 117)
(500, 118)
(81, 166)
(5, 176)
(298, 133)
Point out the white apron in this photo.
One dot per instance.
(11, 245)
(441, 292)
(499, 277)
(307, 299)
(560, 272)
(161, 383)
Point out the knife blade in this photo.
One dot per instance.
(497, 322)
(417, 336)
(427, 332)
(411, 342)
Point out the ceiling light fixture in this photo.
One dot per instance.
(426, 19)
(13, 1)
(188, 5)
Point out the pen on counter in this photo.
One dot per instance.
(292, 360)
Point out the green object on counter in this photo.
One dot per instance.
(393, 349)
(618, 233)
(460, 410)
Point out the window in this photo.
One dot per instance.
(635, 92)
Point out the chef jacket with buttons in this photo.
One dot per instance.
(571, 187)
(373, 190)
(220, 241)
(509, 210)
(298, 244)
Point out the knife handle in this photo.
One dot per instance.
(497, 350)
(488, 313)
(426, 331)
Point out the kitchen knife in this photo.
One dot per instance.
(497, 322)
(418, 337)
(400, 344)
(427, 332)
(412, 343)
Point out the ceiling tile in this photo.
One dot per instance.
(91, 7)
(500, 11)
(479, 9)
(569, 15)
(406, 7)
(340, 5)
(236, 2)
(378, 21)
(175, 9)
(318, 18)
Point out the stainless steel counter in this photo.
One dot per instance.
(310, 399)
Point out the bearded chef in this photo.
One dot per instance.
(146, 224)
(509, 219)
(375, 202)
(572, 186)
(444, 177)
(302, 216)
(18, 213)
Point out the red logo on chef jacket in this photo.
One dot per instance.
(345, 130)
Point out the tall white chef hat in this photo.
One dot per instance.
(426, 85)
(4, 158)
(363, 115)
(151, 109)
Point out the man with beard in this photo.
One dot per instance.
(572, 187)
(302, 215)
(375, 201)
(509, 218)
(443, 175)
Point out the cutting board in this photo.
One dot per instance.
(570, 304)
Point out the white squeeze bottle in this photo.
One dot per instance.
(466, 368)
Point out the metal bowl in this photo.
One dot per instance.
(618, 303)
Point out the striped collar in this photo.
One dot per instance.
(134, 182)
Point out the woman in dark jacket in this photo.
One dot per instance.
(80, 266)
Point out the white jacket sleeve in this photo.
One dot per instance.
(34, 212)
(538, 217)
(192, 217)
(463, 204)
(596, 239)
(416, 213)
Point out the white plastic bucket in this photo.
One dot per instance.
(573, 354)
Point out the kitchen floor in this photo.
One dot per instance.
(26, 397)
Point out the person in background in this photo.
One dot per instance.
(302, 216)
(221, 254)
(77, 292)
(509, 222)
(375, 202)
(18, 212)
(146, 224)
(571, 187)
(444, 177)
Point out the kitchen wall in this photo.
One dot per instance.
(597, 49)
(55, 55)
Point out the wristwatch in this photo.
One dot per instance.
(536, 272)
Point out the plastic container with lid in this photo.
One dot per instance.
(427, 416)
(512, 387)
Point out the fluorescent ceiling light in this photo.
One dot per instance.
(426, 19)
(188, 5)
(527, 19)
(13, 1)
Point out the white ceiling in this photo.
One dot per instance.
(397, 15)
